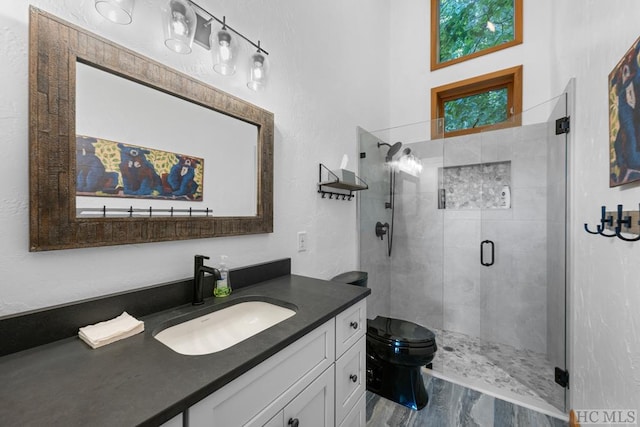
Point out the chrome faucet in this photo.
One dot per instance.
(198, 277)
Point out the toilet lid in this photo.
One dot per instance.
(400, 331)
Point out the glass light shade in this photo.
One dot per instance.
(225, 52)
(179, 22)
(258, 71)
(116, 11)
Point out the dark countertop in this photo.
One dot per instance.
(140, 381)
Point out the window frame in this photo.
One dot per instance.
(511, 78)
(435, 39)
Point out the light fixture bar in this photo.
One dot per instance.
(221, 22)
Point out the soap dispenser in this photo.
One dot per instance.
(223, 285)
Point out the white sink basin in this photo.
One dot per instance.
(223, 328)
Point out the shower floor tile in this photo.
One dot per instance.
(452, 405)
(522, 373)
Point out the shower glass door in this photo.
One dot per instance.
(504, 252)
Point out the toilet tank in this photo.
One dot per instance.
(358, 278)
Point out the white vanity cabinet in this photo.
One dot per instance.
(317, 381)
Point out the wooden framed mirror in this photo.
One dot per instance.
(59, 53)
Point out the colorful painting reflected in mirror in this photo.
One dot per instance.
(113, 169)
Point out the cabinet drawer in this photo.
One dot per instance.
(350, 326)
(288, 371)
(350, 378)
(357, 417)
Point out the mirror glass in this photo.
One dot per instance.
(178, 136)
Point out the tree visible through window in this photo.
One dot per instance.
(464, 29)
(474, 104)
(482, 109)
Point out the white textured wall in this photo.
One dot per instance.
(605, 316)
(327, 78)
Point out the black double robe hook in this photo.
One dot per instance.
(604, 221)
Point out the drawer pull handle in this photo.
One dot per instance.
(354, 325)
(353, 378)
(293, 422)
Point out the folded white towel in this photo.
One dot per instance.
(106, 332)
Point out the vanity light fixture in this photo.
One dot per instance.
(116, 11)
(184, 22)
(179, 23)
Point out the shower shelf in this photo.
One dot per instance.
(331, 181)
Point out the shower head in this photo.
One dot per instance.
(393, 149)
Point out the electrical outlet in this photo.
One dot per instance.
(302, 241)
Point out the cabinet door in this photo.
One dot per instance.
(350, 326)
(314, 406)
(357, 417)
(350, 378)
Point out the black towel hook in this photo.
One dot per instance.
(604, 221)
(627, 223)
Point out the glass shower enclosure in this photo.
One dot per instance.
(471, 243)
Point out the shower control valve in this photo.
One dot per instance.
(381, 229)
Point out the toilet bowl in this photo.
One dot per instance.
(396, 350)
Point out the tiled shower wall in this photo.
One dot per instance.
(417, 292)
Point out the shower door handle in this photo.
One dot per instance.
(487, 242)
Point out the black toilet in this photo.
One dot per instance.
(396, 350)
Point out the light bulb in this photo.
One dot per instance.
(179, 24)
(225, 52)
(257, 70)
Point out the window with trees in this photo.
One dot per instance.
(472, 105)
(465, 29)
